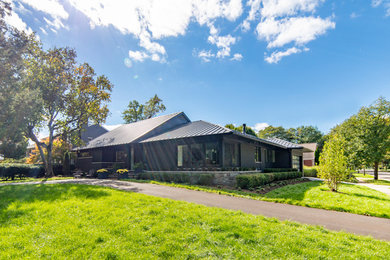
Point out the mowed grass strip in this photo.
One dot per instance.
(350, 198)
(80, 221)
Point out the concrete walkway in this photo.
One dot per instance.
(378, 228)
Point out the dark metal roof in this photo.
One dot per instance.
(202, 128)
(284, 143)
(135, 132)
(192, 129)
(129, 133)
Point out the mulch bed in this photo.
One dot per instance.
(275, 185)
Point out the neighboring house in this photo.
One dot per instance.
(309, 154)
(90, 133)
(173, 142)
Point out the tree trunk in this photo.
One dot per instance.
(49, 170)
(376, 166)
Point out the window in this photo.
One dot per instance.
(183, 157)
(85, 154)
(232, 154)
(296, 162)
(258, 154)
(273, 156)
(212, 154)
(266, 159)
(121, 156)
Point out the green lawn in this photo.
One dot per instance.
(350, 198)
(79, 222)
(370, 179)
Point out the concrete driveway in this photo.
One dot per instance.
(378, 228)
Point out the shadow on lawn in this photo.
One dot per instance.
(294, 192)
(24, 194)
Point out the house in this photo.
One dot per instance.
(173, 142)
(309, 154)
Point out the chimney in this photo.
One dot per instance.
(244, 128)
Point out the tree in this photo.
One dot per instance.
(248, 131)
(333, 162)
(276, 132)
(15, 45)
(136, 111)
(153, 107)
(66, 98)
(306, 134)
(373, 131)
(367, 135)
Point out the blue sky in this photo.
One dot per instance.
(279, 62)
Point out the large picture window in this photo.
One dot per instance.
(212, 154)
(296, 162)
(183, 156)
(258, 154)
(232, 154)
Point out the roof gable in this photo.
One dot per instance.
(132, 132)
(191, 129)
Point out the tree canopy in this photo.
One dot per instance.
(46, 90)
(136, 111)
(249, 130)
(301, 134)
(367, 135)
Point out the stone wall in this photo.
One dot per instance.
(224, 178)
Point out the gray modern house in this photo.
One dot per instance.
(173, 142)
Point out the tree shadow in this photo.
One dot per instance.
(295, 191)
(19, 195)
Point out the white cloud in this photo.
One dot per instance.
(206, 55)
(53, 8)
(286, 22)
(152, 20)
(14, 20)
(43, 30)
(353, 15)
(223, 43)
(384, 3)
(278, 22)
(297, 30)
(260, 126)
(237, 57)
(276, 56)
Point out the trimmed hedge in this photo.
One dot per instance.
(247, 181)
(179, 177)
(310, 172)
(280, 170)
(12, 170)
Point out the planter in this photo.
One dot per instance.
(102, 175)
(123, 176)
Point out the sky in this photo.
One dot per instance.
(260, 62)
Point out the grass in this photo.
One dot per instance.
(79, 221)
(370, 179)
(361, 175)
(35, 179)
(350, 198)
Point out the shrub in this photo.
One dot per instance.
(310, 171)
(252, 181)
(179, 177)
(280, 170)
(102, 171)
(12, 170)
